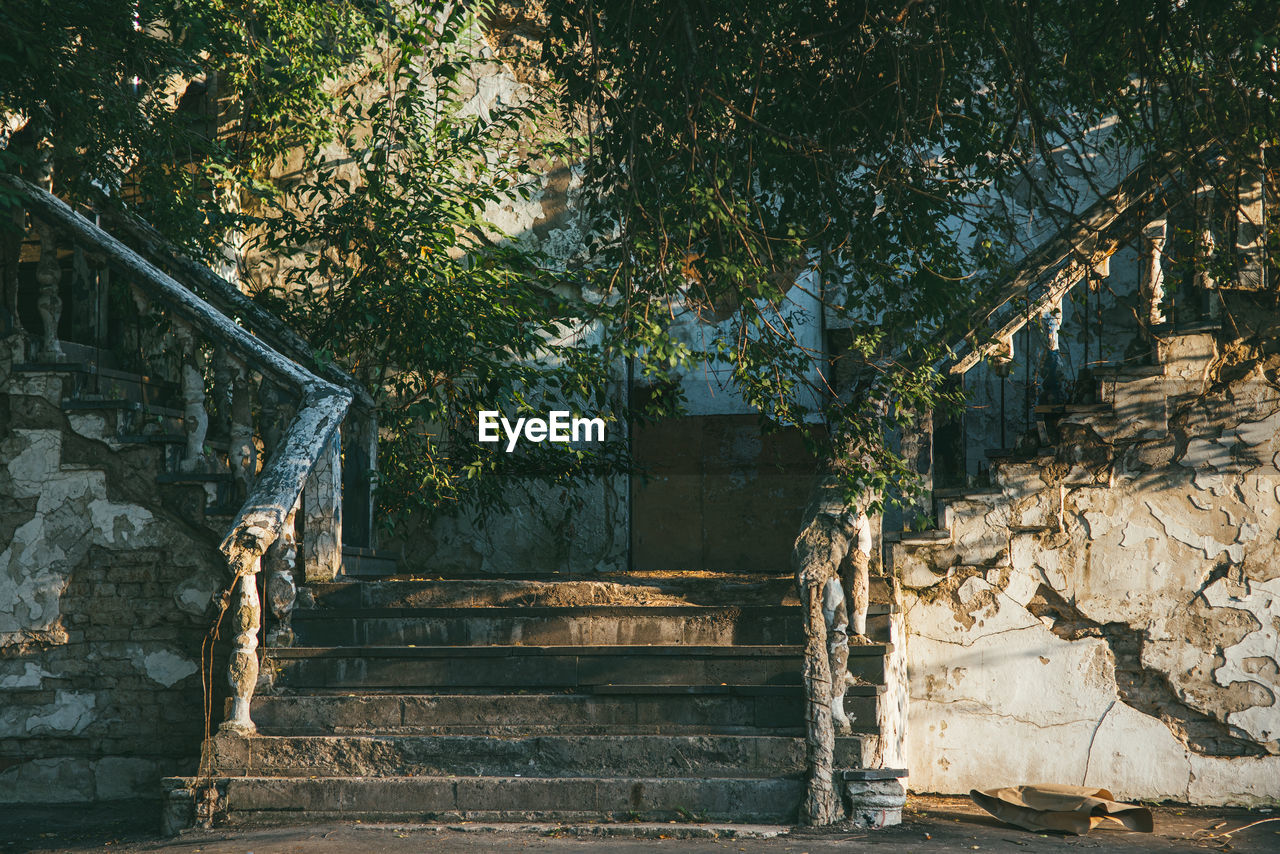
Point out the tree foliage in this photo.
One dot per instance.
(896, 149)
(377, 246)
(398, 271)
(882, 156)
(165, 102)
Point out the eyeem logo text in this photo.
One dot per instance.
(559, 426)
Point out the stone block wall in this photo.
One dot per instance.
(717, 493)
(104, 600)
(1110, 617)
(548, 528)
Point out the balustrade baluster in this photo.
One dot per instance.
(1205, 247)
(282, 591)
(1251, 234)
(242, 669)
(195, 418)
(48, 269)
(322, 511)
(102, 297)
(1152, 281)
(917, 450)
(359, 477)
(11, 235)
(223, 371)
(274, 405)
(307, 456)
(49, 302)
(243, 455)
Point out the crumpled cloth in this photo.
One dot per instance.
(1066, 809)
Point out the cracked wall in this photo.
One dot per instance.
(1109, 614)
(104, 600)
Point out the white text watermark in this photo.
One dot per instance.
(560, 425)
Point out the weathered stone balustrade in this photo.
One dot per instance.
(223, 374)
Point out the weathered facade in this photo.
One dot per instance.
(1106, 613)
(104, 601)
(1095, 602)
(140, 510)
(1103, 609)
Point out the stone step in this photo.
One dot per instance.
(927, 537)
(408, 668)
(591, 625)
(197, 496)
(556, 591)
(110, 419)
(93, 404)
(1126, 372)
(358, 562)
(673, 709)
(81, 378)
(565, 590)
(249, 801)
(1193, 327)
(528, 756)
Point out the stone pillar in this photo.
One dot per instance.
(876, 797)
(322, 514)
(821, 805)
(819, 551)
(242, 669)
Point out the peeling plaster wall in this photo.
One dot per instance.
(1112, 616)
(104, 600)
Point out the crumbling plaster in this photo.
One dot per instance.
(69, 513)
(103, 600)
(1125, 632)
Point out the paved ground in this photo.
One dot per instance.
(931, 825)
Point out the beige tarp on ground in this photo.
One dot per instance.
(1067, 809)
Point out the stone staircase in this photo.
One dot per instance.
(130, 410)
(622, 697)
(555, 698)
(547, 697)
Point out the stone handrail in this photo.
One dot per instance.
(310, 440)
(361, 428)
(224, 296)
(1066, 259)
